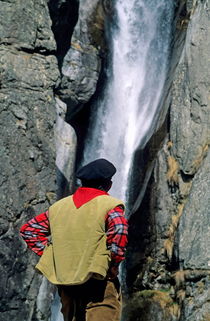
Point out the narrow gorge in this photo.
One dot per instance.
(128, 81)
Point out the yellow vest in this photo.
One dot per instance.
(78, 249)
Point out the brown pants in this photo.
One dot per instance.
(92, 301)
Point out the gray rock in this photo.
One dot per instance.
(82, 63)
(194, 227)
(27, 71)
(196, 305)
(190, 116)
(66, 143)
(26, 25)
(27, 177)
(176, 203)
(27, 165)
(29, 75)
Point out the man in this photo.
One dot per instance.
(88, 237)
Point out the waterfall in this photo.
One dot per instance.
(125, 114)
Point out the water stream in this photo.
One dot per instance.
(125, 114)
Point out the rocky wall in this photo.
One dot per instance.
(82, 64)
(38, 146)
(29, 71)
(168, 255)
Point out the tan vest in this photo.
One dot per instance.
(78, 250)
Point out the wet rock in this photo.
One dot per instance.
(66, 143)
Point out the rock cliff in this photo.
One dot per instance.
(38, 145)
(168, 258)
(52, 58)
(29, 72)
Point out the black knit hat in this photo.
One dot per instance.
(99, 169)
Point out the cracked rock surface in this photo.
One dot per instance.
(168, 254)
(29, 72)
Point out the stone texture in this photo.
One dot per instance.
(29, 77)
(66, 143)
(190, 117)
(169, 233)
(190, 134)
(147, 303)
(196, 305)
(29, 72)
(193, 233)
(82, 63)
(27, 188)
(26, 25)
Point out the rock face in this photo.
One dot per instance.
(28, 26)
(168, 257)
(82, 63)
(34, 38)
(193, 232)
(66, 143)
(29, 72)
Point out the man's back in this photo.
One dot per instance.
(78, 249)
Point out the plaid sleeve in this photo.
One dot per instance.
(117, 232)
(35, 233)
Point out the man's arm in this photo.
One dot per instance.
(117, 235)
(35, 233)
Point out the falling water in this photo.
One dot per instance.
(124, 116)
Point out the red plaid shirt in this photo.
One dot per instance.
(36, 231)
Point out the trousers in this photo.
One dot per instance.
(94, 300)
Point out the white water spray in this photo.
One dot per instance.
(124, 117)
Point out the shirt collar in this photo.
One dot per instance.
(86, 194)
